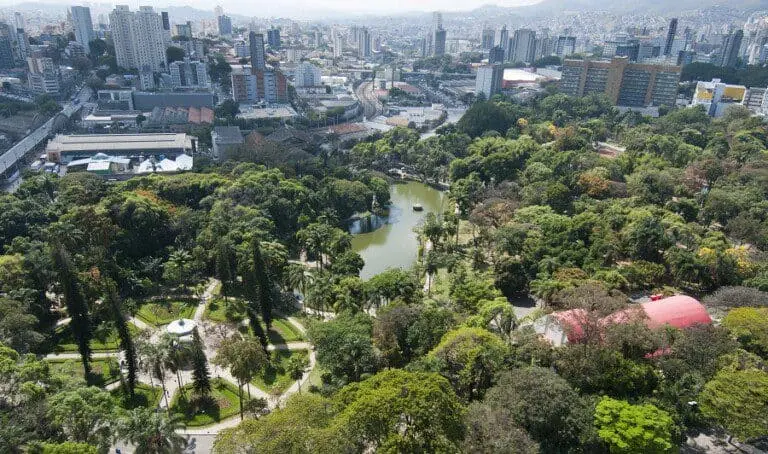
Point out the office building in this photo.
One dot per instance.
(717, 96)
(7, 58)
(730, 49)
(566, 46)
(43, 76)
(670, 36)
(524, 46)
(496, 55)
(189, 74)
(225, 25)
(429, 44)
(258, 57)
(488, 81)
(624, 83)
(486, 40)
(364, 43)
(138, 38)
(439, 42)
(307, 75)
(82, 26)
(273, 38)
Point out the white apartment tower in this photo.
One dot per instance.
(83, 26)
(138, 38)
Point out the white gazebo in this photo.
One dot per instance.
(182, 329)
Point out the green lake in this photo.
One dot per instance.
(390, 242)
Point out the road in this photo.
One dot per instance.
(10, 158)
(372, 107)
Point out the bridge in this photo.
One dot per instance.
(10, 159)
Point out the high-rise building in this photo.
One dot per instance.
(496, 55)
(258, 57)
(83, 26)
(440, 37)
(504, 39)
(43, 76)
(166, 28)
(189, 74)
(225, 25)
(670, 36)
(437, 24)
(566, 46)
(364, 44)
(730, 50)
(307, 75)
(273, 38)
(184, 29)
(7, 59)
(138, 38)
(625, 83)
(338, 47)
(524, 47)
(487, 38)
(489, 79)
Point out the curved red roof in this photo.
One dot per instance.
(679, 311)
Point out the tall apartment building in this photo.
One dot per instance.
(83, 26)
(486, 39)
(730, 49)
(496, 55)
(566, 46)
(625, 83)
(166, 28)
(7, 59)
(307, 75)
(504, 39)
(489, 80)
(364, 43)
(338, 47)
(184, 29)
(43, 76)
(189, 74)
(273, 38)
(225, 25)
(524, 47)
(439, 42)
(138, 37)
(256, 44)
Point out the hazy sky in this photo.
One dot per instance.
(303, 8)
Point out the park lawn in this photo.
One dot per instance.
(144, 396)
(159, 313)
(282, 331)
(274, 379)
(104, 370)
(64, 341)
(223, 404)
(216, 311)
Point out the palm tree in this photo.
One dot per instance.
(297, 365)
(170, 352)
(151, 432)
(151, 361)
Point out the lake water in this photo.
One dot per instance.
(390, 242)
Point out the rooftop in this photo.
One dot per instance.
(117, 142)
(228, 135)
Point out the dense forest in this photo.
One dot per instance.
(429, 359)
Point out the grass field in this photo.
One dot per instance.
(159, 313)
(104, 370)
(221, 310)
(64, 341)
(144, 396)
(282, 332)
(196, 412)
(274, 379)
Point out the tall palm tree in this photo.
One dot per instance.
(170, 352)
(152, 362)
(152, 433)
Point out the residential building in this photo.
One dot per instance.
(338, 47)
(524, 47)
(138, 38)
(364, 44)
(439, 42)
(273, 38)
(307, 75)
(730, 50)
(755, 100)
(496, 55)
(566, 46)
(504, 40)
(225, 25)
(489, 79)
(486, 40)
(258, 57)
(83, 26)
(43, 76)
(184, 30)
(189, 74)
(7, 59)
(670, 36)
(243, 85)
(242, 49)
(624, 83)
